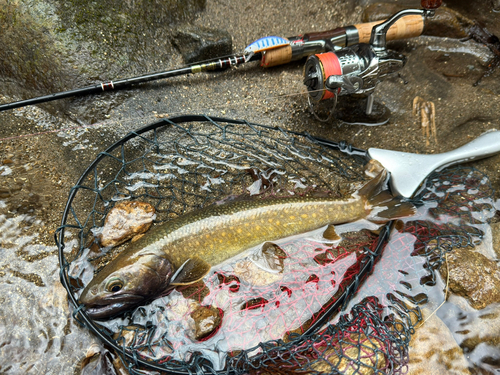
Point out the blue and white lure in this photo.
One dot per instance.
(264, 44)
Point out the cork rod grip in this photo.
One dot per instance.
(277, 56)
(406, 27)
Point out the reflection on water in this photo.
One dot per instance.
(37, 333)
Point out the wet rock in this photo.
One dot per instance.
(231, 280)
(100, 360)
(433, 350)
(445, 23)
(254, 303)
(206, 320)
(201, 43)
(473, 276)
(274, 256)
(29, 56)
(128, 334)
(368, 359)
(495, 230)
(380, 11)
(476, 331)
(125, 221)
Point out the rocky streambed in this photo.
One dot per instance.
(48, 46)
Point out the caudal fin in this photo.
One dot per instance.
(382, 204)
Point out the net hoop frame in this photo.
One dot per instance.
(79, 313)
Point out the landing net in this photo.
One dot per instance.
(286, 322)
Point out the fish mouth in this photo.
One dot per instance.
(112, 306)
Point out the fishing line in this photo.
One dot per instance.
(235, 103)
(445, 292)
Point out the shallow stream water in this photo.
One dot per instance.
(47, 46)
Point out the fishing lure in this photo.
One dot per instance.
(264, 44)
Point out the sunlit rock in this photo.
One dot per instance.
(433, 350)
(473, 276)
(126, 220)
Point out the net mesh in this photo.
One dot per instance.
(268, 323)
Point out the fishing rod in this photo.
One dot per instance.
(219, 64)
(271, 51)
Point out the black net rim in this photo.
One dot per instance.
(82, 317)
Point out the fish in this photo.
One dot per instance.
(183, 250)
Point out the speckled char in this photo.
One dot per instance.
(183, 250)
(218, 233)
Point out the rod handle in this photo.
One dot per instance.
(406, 27)
(276, 56)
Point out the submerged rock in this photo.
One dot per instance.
(476, 331)
(201, 43)
(99, 360)
(495, 229)
(473, 276)
(206, 320)
(249, 272)
(368, 358)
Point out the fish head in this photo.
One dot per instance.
(119, 287)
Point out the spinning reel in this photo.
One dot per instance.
(358, 69)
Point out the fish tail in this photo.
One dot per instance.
(383, 205)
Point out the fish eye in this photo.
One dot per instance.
(114, 285)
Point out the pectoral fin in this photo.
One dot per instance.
(193, 270)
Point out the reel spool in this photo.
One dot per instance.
(333, 73)
(330, 74)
